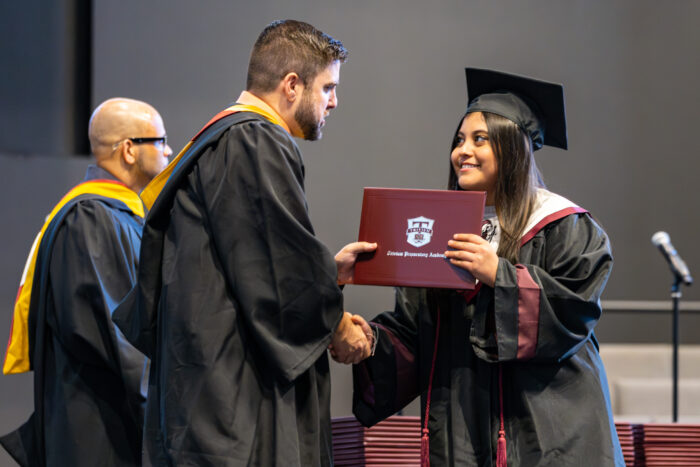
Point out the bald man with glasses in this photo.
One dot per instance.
(89, 383)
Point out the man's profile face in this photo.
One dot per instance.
(153, 157)
(316, 102)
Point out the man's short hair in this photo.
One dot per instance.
(288, 46)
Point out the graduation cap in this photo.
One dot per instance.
(537, 107)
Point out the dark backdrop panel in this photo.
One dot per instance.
(44, 88)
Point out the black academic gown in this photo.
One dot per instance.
(87, 377)
(556, 405)
(236, 303)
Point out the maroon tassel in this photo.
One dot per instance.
(501, 451)
(425, 449)
(501, 458)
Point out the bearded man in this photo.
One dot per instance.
(237, 300)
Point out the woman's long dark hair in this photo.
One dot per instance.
(516, 181)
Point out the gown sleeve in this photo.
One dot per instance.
(93, 266)
(282, 278)
(388, 381)
(546, 307)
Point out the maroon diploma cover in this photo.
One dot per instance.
(411, 228)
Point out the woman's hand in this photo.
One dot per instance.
(476, 255)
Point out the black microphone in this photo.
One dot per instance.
(663, 242)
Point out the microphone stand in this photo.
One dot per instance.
(675, 296)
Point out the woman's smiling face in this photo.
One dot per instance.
(473, 159)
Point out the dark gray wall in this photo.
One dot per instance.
(629, 68)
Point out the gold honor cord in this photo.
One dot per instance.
(17, 356)
(153, 189)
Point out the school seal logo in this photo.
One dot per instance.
(420, 231)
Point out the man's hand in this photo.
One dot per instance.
(476, 255)
(346, 257)
(359, 320)
(350, 344)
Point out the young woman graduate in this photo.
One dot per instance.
(508, 374)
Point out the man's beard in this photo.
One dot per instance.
(307, 121)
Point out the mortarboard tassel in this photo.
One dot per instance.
(425, 449)
(501, 458)
(501, 450)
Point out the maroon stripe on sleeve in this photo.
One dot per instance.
(528, 313)
(366, 384)
(406, 371)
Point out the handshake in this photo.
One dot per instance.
(353, 340)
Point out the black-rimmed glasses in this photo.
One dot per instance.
(150, 139)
